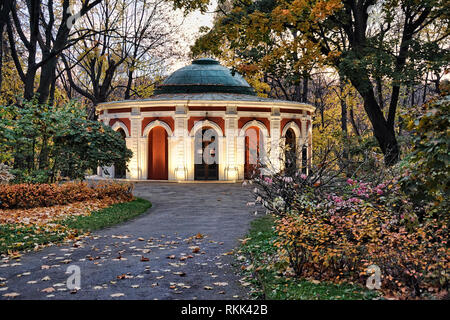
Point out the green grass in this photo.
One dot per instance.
(269, 284)
(16, 237)
(107, 217)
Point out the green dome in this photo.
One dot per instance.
(203, 76)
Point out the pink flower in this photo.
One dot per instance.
(354, 200)
(303, 176)
(351, 181)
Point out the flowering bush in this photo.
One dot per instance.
(45, 195)
(333, 228)
(341, 236)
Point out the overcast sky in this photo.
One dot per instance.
(189, 31)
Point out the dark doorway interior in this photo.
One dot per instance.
(290, 152)
(120, 168)
(204, 170)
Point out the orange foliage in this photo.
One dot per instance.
(46, 195)
(44, 215)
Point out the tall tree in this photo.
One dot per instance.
(5, 9)
(42, 30)
(136, 39)
(379, 46)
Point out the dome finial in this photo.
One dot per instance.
(205, 61)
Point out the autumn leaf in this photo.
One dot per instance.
(220, 284)
(116, 295)
(11, 295)
(195, 250)
(199, 236)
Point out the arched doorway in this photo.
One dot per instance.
(158, 168)
(206, 155)
(120, 167)
(290, 151)
(253, 151)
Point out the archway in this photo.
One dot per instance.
(254, 145)
(120, 167)
(206, 157)
(158, 168)
(290, 151)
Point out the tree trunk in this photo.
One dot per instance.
(383, 132)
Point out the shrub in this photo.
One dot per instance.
(426, 175)
(339, 240)
(332, 229)
(45, 195)
(44, 143)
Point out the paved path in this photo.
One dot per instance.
(110, 259)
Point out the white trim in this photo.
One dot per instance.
(255, 123)
(157, 123)
(120, 125)
(294, 126)
(205, 123)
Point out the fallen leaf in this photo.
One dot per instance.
(11, 295)
(220, 284)
(207, 288)
(144, 259)
(195, 250)
(48, 290)
(116, 295)
(199, 236)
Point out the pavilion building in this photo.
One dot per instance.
(205, 122)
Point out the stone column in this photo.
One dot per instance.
(181, 139)
(231, 135)
(275, 139)
(100, 170)
(134, 165)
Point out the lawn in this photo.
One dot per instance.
(269, 284)
(18, 237)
